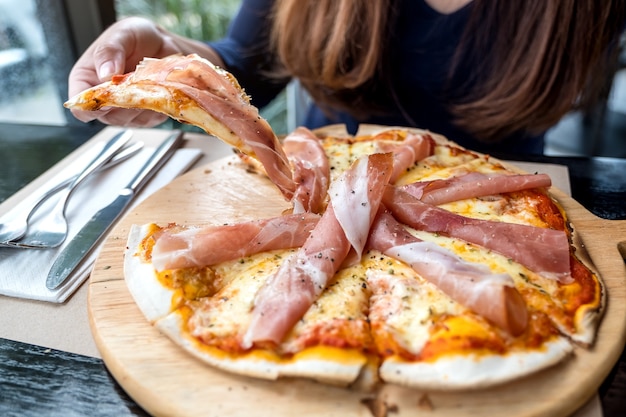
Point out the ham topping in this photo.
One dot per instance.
(356, 195)
(291, 291)
(190, 70)
(473, 184)
(493, 296)
(191, 89)
(414, 148)
(211, 245)
(544, 251)
(311, 170)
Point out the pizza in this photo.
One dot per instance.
(403, 258)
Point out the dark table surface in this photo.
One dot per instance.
(38, 381)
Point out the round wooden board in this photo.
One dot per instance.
(166, 381)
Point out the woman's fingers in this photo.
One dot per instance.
(118, 50)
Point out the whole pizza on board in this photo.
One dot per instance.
(404, 258)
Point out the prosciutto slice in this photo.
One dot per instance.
(211, 245)
(473, 184)
(192, 90)
(493, 296)
(311, 170)
(291, 291)
(356, 196)
(545, 251)
(414, 148)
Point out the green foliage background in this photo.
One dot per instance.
(198, 19)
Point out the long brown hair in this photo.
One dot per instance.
(541, 59)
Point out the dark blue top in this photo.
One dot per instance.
(417, 59)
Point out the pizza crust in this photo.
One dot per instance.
(152, 298)
(367, 129)
(331, 366)
(470, 371)
(589, 318)
(254, 365)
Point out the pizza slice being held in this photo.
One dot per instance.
(192, 90)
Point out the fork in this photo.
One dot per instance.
(54, 226)
(14, 223)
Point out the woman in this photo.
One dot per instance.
(492, 75)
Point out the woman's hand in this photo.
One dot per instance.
(118, 50)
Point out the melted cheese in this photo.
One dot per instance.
(405, 307)
(226, 314)
(344, 304)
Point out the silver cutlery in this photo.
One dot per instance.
(53, 227)
(73, 254)
(14, 223)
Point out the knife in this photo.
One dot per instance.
(93, 231)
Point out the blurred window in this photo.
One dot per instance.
(39, 42)
(203, 20)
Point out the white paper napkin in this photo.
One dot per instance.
(23, 272)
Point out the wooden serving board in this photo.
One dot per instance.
(166, 381)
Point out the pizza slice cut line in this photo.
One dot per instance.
(289, 293)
